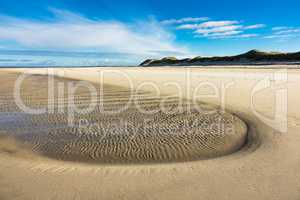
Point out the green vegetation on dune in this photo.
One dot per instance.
(251, 57)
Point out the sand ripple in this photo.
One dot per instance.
(180, 130)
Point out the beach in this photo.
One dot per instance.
(260, 160)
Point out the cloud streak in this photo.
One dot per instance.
(209, 24)
(221, 29)
(184, 20)
(236, 36)
(255, 26)
(68, 30)
(284, 33)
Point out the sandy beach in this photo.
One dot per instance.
(43, 157)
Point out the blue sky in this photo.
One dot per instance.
(103, 32)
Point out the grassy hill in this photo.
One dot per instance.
(251, 57)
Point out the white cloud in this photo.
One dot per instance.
(184, 20)
(237, 36)
(247, 35)
(209, 24)
(187, 26)
(221, 29)
(227, 33)
(255, 26)
(284, 33)
(278, 28)
(68, 30)
(288, 31)
(278, 36)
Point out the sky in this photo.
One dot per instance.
(113, 33)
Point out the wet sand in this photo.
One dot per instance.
(124, 126)
(266, 167)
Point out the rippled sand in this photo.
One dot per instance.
(41, 157)
(124, 127)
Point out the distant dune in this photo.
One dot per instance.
(253, 57)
